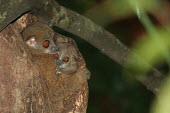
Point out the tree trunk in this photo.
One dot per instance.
(22, 86)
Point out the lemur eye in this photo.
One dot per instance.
(56, 55)
(66, 59)
(54, 37)
(46, 43)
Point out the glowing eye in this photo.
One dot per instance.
(46, 43)
(66, 59)
(56, 55)
(54, 37)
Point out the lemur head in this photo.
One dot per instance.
(66, 58)
(39, 38)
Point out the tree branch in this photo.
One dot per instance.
(51, 12)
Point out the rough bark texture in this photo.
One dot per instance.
(22, 86)
(51, 12)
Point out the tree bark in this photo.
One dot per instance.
(22, 86)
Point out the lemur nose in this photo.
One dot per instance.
(58, 62)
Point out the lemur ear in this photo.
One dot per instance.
(31, 42)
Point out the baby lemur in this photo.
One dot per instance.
(68, 56)
(59, 57)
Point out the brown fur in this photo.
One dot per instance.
(37, 29)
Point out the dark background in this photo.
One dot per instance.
(110, 91)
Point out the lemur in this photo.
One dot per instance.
(57, 58)
(69, 59)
